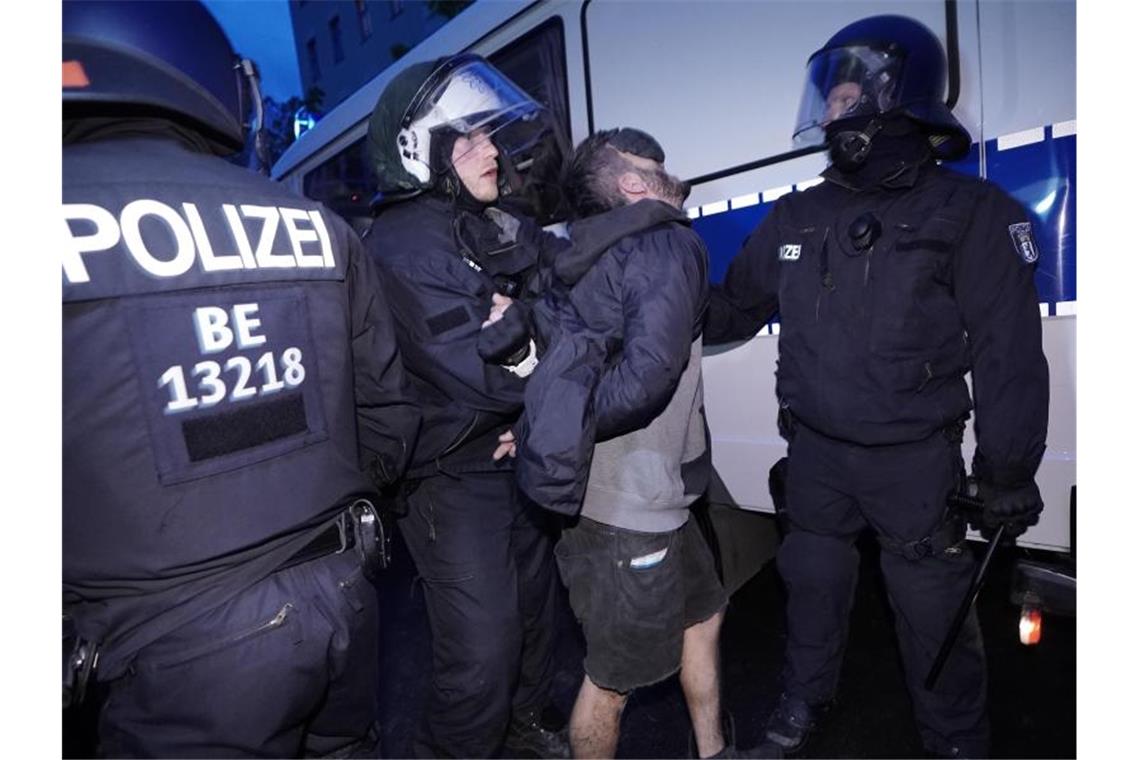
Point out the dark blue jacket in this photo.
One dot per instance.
(629, 298)
(440, 295)
(875, 345)
(223, 345)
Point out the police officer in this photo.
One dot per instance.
(223, 350)
(893, 279)
(442, 137)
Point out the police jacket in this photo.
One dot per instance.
(222, 337)
(875, 342)
(621, 382)
(439, 264)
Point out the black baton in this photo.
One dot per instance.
(970, 503)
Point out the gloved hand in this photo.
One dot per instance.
(1017, 507)
(506, 337)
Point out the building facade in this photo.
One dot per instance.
(341, 44)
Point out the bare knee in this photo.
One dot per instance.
(595, 721)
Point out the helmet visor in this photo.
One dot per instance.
(843, 83)
(475, 97)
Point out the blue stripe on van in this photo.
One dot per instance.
(1042, 175)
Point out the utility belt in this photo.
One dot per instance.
(360, 526)
(453, 470)
(787, 423)
(948, 537)
(79, 660)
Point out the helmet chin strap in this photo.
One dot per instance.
(255, 128)
(849, 149)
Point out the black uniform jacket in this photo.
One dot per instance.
(223, 344)
(440, 296)
(874, 345)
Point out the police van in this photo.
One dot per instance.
(718, 84)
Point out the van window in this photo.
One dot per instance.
(536, 62)
(345, 184)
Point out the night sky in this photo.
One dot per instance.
(262, 30)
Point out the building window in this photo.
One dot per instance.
(337, 43)
(395, 8)
(364, 19)
(314, 62)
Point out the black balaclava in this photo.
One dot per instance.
(896, 143)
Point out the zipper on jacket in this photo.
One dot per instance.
(459, 439)
(927, 379)
(826, 281)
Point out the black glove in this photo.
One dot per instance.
(507, 340)
(1017, 507)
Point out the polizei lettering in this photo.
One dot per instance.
(165, 242)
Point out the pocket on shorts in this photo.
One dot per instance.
(639, 631)
(647, 575)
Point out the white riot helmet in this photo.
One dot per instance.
(464, 94)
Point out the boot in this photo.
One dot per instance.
(528, 737)
(792, 721)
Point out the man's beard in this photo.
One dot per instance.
(669, 188)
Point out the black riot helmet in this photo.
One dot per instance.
(171, 59)
(428, 104)
(880, 66)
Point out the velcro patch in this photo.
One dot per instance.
(448, 320)
(244, 428)
(1023, 244)
(938, 246)
(789, 252)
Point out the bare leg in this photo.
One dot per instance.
(700, 680)
(595, 720)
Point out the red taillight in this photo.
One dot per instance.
(1029, 628)
(74, 75)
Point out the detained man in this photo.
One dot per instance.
(613, 432)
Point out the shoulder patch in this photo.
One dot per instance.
(1023, 244)
(789, 252)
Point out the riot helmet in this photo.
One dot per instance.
(127, 58)
(879, 67)
(428, 105)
